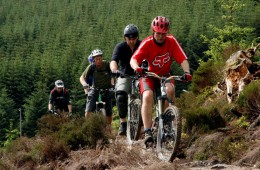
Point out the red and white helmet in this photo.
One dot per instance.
(160, 24)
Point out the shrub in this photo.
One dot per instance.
(49, 124)
(95, 130)
(241, 122)
(231, 148)
(203, 119)
(249, 100)
(53, 149)
(72, 134)
(208, 74)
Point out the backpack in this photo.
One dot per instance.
(90, 78)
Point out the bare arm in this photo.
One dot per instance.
(185, 66)
(50, 106)
(113, 66)
(70, 108)
(134, 64)
(83, 83)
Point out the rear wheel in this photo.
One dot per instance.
(169, 134)
(134, 122)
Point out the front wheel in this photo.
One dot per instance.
(169, 133)
(103, 111)
(134, 122)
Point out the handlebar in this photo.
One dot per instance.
(101, 90)
(149, 74)
(123, 75)
(165, 79)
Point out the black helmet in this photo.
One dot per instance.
(131, 31)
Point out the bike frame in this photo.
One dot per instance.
(167, 139)
(134, 109)
(160, 92)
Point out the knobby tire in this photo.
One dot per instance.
(134, 123)
(169, 134)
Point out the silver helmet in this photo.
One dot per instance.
(59, 84)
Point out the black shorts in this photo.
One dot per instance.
(93, 97)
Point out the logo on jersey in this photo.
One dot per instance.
(161, 60)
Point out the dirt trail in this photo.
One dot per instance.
(119, 155)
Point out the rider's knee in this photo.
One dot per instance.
(121, 97)
(147, 96)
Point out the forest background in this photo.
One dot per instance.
(44, 40)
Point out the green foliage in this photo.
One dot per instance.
(7, 113)
(207, 75)
(11, 134)
(75, 132)
(249, 100)
(94, 129)
(203, 118)
(230, 149)
(35, 107)
(241, 122)
(229, 33)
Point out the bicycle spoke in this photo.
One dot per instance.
(169, 134)
(134, 119)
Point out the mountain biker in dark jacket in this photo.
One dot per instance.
(60, 98)
(122, 54)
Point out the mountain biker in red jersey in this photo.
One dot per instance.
(59, 96)
(159, 50)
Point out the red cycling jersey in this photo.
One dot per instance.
(160, 57)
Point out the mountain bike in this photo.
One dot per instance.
(168, 122)
(100, 105)
(134, 118)
(58, 112)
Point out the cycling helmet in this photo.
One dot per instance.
(59, 84)
(131, 31)
(96, 52)
(160, 24)
(90, 59)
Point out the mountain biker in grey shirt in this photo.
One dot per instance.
(122, 54)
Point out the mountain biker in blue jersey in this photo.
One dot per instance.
(100, 71)
(122, 54)
(59, 96)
